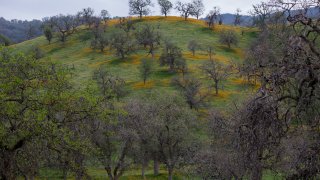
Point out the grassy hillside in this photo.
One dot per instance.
(76, 52)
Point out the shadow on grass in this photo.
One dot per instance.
(206, 30)
(152, 177)
(227, 49)
(85, 36)
(252, 34)
(119, 61)
(162, 74)
(56, 49)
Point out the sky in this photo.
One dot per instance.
(37, 9)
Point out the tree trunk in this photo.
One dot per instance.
(63, 37)
(216, 86)
(172, 67)
(143, 168)
(170, 173)
(152, 53)
(110, 176)
(8, 169)
(109, 173)
(155, 167)
(65, 174)
(190, 105)
(256, 173)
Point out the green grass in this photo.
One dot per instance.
(101, 174)
(134, 174)
(76, 52)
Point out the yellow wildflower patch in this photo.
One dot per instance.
(134, 59)
(221, 28)
(189, 55)
(222, 59)
(141, 85)
(98, 64)
(165, 82)
(174, 19)
(238, 81)
(84, 52)
(113, 22)
(48, 47)
(223, 94)
(243, 81)
(239, 52)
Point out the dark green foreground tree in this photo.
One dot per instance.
(41, 117)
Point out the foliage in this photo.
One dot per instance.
(48, 33)
(4, 40)
(38, 109)
(16, 30)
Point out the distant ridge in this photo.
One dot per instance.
(17, 30)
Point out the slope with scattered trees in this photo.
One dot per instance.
(187, 100)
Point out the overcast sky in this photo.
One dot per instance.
(37, 9)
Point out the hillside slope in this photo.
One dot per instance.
(76, 52)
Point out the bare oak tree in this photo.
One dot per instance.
(191, 89)
(237, 18)
(123, 43)
(229, 38)
(185, 9)
(145, 69)
(193, 46)
(215, 71)
(65, 24)
(198, 8)
(212, 16)
(139, 7)
(165, 6)
(171, 53)
(148, 36)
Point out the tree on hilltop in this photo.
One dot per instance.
(139, 7)
(165, 6)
